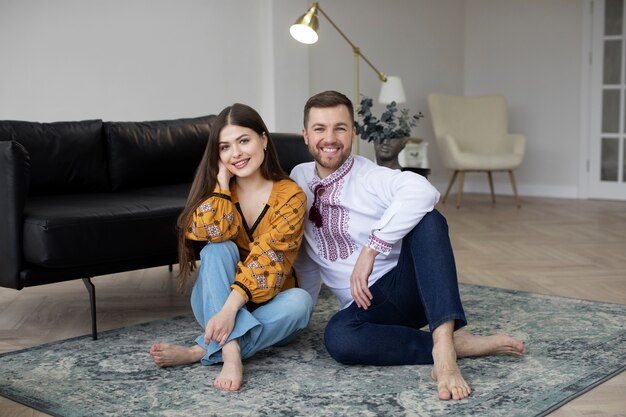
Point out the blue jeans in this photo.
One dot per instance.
(276, 322)
(421, 290)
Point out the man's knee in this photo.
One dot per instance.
(434, 219)
(339, 339)
(432, 223)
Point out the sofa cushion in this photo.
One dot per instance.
(291, 150)
(144, 154)
(90, 229)
(64, 156)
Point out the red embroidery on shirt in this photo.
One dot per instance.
(333, 239)
(379, 244)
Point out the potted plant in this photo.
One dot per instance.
(389, 133)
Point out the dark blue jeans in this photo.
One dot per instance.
(421, 290)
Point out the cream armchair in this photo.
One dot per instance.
(472, 135)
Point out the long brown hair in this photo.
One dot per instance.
(205, 178)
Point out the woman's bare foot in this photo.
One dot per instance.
(450, 382)
(231, 376)
(467, 344)
(164, 354)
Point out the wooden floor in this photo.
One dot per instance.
(569, 248)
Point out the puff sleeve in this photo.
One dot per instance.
(214, 219)
(273, 251)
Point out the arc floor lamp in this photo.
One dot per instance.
(304, 30)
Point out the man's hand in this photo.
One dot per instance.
(360, 275)
(221, 325)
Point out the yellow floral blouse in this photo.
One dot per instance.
(267, 248)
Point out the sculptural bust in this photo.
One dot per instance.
(387, 151)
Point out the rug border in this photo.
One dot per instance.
(30, 407)
(544, 295)
(581, 392)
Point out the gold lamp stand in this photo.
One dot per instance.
(305, 30)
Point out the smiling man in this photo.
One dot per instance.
(329, 137)
(374, 238)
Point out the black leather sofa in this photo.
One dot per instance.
(89, 198)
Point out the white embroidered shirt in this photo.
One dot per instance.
(360, 204)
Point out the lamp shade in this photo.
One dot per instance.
(305, 27)
(392, 90)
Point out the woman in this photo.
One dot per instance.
(251, 214)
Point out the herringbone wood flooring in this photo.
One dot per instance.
(570, 248)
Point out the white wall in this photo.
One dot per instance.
(140, 59)
(291, 67)
(155, 59)
(530, 51)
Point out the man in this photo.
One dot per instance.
(376, 241)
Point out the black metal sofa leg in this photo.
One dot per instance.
(91, 289)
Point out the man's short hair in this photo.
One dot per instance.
(327, 99)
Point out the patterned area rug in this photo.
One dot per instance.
(572, 346)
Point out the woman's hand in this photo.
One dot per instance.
(360, 276)
(223, 176)
(221, 325)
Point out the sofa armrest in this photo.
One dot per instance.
(14, 180)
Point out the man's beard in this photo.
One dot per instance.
(330, 164)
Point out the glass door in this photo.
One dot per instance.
(607, 165)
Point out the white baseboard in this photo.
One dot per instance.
(482, 187)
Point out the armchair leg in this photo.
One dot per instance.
(459, 192)
(445, 197)
(91, 289)
(517, 200)
(493, 195)
(170, 267)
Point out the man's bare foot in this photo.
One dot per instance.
(450, 382)
(467, 344)
(164, 354)
(231, 376)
